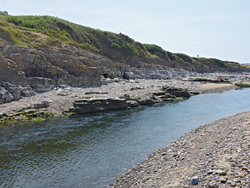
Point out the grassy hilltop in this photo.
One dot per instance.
(45, 31)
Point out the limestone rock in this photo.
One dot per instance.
(146, 101)
(45, 68)
(5, 96)
(40, 84)
(132, 103)
(176, 92)
(99, 104)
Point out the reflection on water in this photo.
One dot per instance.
(92, 151)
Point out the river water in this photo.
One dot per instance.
(93, 151)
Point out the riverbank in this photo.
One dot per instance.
(128, 93)
(212, 155)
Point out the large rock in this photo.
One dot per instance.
(40, 84)
(5, 96)
(178, 92)
(85, 106)
(15, 92)
(146, 101)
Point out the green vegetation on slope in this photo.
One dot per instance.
(37, 31)
(84, 37)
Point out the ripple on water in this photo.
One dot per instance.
(92, 151)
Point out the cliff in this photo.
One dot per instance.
(41, 52)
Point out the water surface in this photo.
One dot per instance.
(93, 151)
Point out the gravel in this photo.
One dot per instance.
(215, 154)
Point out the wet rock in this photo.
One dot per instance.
(146, 101)
(99, 104)
(160, 93)
(29, 111)
(132, 103)
(178, 92)
(195, 180)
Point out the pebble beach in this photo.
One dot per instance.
(212, 155)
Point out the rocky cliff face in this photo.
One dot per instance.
(46, 67)
(55, 52)
(24, 71)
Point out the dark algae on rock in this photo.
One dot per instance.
(93, 105)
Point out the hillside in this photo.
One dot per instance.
(44, 51)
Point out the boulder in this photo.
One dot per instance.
(17, 91)
(5, 96)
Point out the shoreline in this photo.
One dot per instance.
(176, 164)
(118, 93)
(212, 155)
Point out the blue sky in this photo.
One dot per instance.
(208, 28)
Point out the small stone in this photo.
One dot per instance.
(221, 173)
(145, 179)
(210, 172)
(212, 185)
(195, 180)
(233, 184)
(245, 168)
(223, 180)
(241, 175)
(237, 180)
(182, 158)
(164, 153)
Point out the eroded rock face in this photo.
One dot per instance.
(45, 68)
(10, 72)
(24, 71)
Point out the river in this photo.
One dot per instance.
(93, 151)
